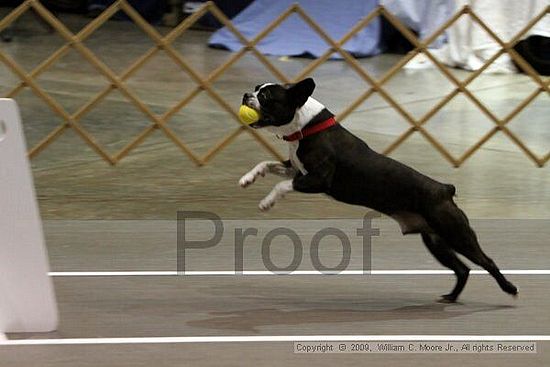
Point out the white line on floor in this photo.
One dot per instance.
(272, 338)
(267, 272)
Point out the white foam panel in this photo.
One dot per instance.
(27, 301)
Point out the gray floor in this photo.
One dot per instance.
(103, 218)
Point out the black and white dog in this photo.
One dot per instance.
(326, 158)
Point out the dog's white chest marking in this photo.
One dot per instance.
(293, 154)
(303, 115)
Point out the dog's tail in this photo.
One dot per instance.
(451, 190)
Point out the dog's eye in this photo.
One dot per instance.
(265, 94)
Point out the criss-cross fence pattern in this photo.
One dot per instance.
(204, 83)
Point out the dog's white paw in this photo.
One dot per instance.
(266, 204)
(247, 180)
(251, 176)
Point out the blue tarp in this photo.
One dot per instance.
(294, 37)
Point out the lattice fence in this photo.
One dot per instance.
(205, 83)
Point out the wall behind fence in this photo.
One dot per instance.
(204, 83)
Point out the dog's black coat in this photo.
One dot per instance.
(346, 168)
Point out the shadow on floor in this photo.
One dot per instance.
(252, 319)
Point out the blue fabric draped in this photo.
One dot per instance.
(294, 37)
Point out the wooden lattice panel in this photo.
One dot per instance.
(204, 83)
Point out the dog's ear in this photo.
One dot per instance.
(300, 92)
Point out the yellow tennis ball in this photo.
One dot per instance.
(248, 115)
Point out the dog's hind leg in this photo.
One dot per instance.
(452, 224)
(472, 251)
(447, 257)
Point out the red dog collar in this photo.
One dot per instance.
(299, 135)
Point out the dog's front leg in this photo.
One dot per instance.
(283, 169)
(278, 192)
(310, 183)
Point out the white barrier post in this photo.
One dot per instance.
(27, 301)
